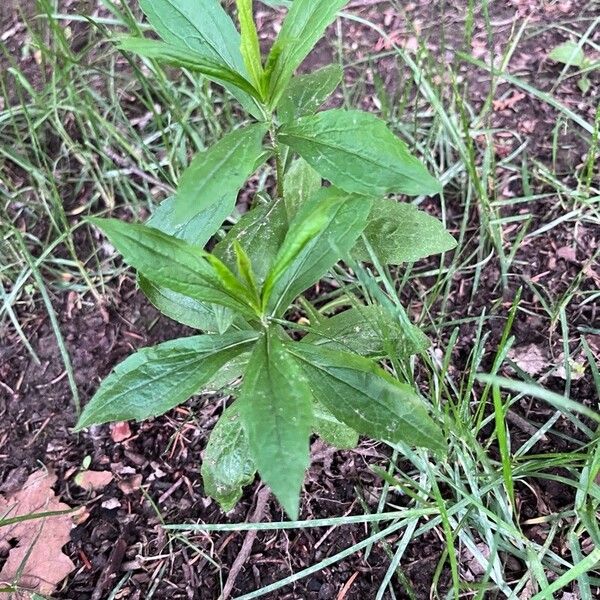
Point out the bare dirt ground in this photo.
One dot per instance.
(160, 459)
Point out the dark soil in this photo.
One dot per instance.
(156, 470)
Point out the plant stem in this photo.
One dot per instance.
(278, 161)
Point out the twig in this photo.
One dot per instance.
(344, 591)
(242, 557)
(125, 164)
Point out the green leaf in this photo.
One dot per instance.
(368, 331)
(332, 431)
(306, 93)
(569, 53)
(199, 26)
(260, 232)
(155, 380)
(584, 84)
(322, 233)
(174, 264)
(302, 28)
(193, 313)
(192, 231)
(300, 183)
(212, 68)
(399, 233)
(227, 465)
(202, 27)
(212, 181)
(250, 46)
(276, 410)
(230, 374)
(367, 399)
(276, 3)
(245, 270)
(358, 153)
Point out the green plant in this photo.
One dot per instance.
(571, 54)
(329, 383)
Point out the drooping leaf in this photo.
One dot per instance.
(399, 233)
(260, 232)
(300, 183)
(213, 68)
(202, 27)
(155, 380)
(250, 46)
(568, 53)
(276, 410)
(358, 153)
(305, 94)
(322, 232)
(210, 318)
(367, 399)
(332, 431)
(210, 185)
(302, 28)
(173, 263)
(368, 331)
(227, 465)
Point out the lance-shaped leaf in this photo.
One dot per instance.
(303, 27)
(155, 380)
(177, 265)
(301, 182)
(250, 46)
(358, 153)
(210, 318)
(332, 431)
(399, 233)
(276, 410)
(227, 465)
(364, 397)
(260, 232)
(183, 309)
(209, 187)
(305, 94)
(192, 230)
(212, 68)
(204, 28)
(321, 234)
(201, 26)
(368, 331)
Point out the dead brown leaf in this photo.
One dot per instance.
(93, 481)
(508, 102)
(529, 358)
(567, 253)
(37, 555)
(119, 432)
(131, 484)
